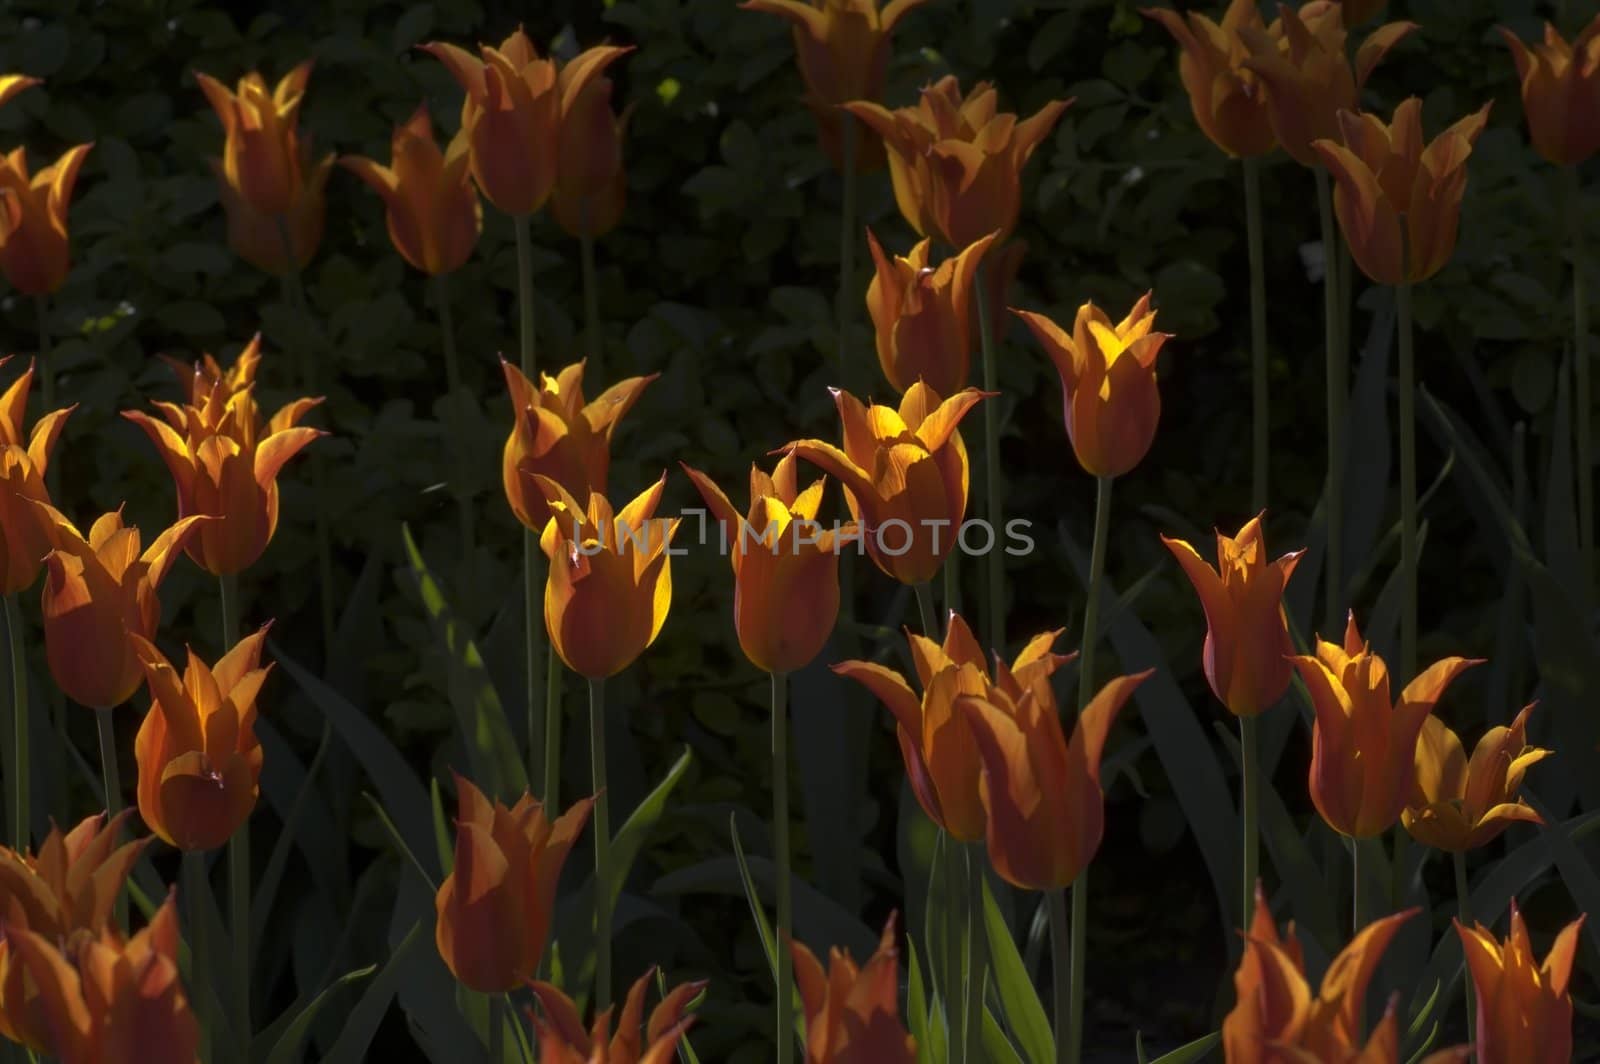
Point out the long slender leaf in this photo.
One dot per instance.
(364, 1019)
(282, 1041)
(1019, 1001)
(997, 1048)
(1184, 1054)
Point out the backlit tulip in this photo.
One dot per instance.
(956, 162)
(511, 117)
(494, 908)
(610, 583)
(842, 49)
(199, 759)
(34, 253)
(905, 475)
(1363, 749)
(941, 762)
(556, 434)
(1561, 92)
(11, 84)
(1108, 383)
(785, 566)
(1227, 98)
(109, 1001)
(1399, 203)
(1524, 1007)
(922, 315)
(1309, 79)
(24, 458)
(563, 1039)
(98, 590)
(432, 209)
(1461, 804)
(853, 1014)
(1041, 794)
(263, 159)
(591, 186)
(1247, 647)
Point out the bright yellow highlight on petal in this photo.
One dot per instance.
(1460, 804)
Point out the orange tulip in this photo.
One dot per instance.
(109, 1001)
(24, 458)
(1363, 751)
(1461, 805)
(199, 378)
(1399, 203)
(557, 435)
(1561, 92)
(941, 762)
(563, 1040)
(1045, 812)
(199, 759)
(1524, 1008)
(956, 162)
(591, 186)
(785, 566)
(922, 315)
(853, 1014)
(11, 84)
(258, 238)
(1108, 383)
(98, 590)
(263, 159)
(33, 220)
(511, 117)
(1301, 60)
(1247, 647)
(610, 583)
(1227, 97)
(494, 908)
(905, 476)
(432, 209)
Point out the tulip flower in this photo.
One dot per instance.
(24, 459)
(1301, 60)
(1561, 92)
(11, 84)
(610, 582)
(591, 186)
(98, 590)
(1524, 1007)
(1108, 383)
(956, 162)
(108, 1001)
(557, 435)
(512, 114)
(494, 909)
(905, 476)
(1399, 203)
(563, 1040)
(432, 209)
(1228, 100)
(1247, 647)
(853, 1014)
(33, 220)
(259, 238)
(922, 315)
(1460, 804)
(785, 566)
(1363, 750)
(842, 50)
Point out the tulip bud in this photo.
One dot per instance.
(1524, 1008)
(852, 1015)
(591, 186)
(921, 315)
(1561, 92)
(34, 254)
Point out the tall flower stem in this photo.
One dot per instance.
(238, 847)
(847, 243)
(1333, 511)
(452, 377)
(111, 779)
(994, 617)
(977, 967)
(1249, 786)
(195, 888)
(1259, 420)
(552, 726)
(20, 786)
(539, 711)
(780, 845)
(497, 1028)
(1408, 483)
(1061, 983)
(930, 619)
(602, 846)
(1464, 913)
(591, 306)
(1355, 887)
(1580, 356)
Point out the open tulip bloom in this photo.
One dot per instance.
(1461, 804)
(563, 1039)
(24, 460)
(1524, 1007)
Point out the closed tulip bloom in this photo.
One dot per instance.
(591, 186)
(432, 209)
(263, 159)
(556, 434)
(24, 459)
(1561, 92)
(563, 1039)
(1228, 100)
(258, 237)
(905, 475)
(1460, 804)
(98, 590)
(922, 315)
(1301, 59)
(853, 1014)
(11, 84)
(1108, 383)
(785, 566)
(1524, 1007)
(1399, 203)
(956, 161)
(34, 253)
(610, 583)
(941, 761)
(1247, 647)
(1363, 749)
(1045, 812)
(494, 908)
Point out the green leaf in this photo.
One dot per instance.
(362, 1023)
(763, 928)
(1576, 871)
(1019, 1001)
(997, 1048)
(1184, 1054)
(287, 1034)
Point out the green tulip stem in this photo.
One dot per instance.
(452, 377)
(1259, 419)
(1408, 484)
(847, 243)
(238, 846)
(930, 619)
(1249, 786)
(552, 726)
(1581, 386)
(1464, 914)
(540, 710)
(976, 967)
(111, 779)
(1061, 982)
(602, 846)
(1333, 509)
(193, 892)
(994, 617)
(497, 1028)
(780, 844)
(18, 761)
